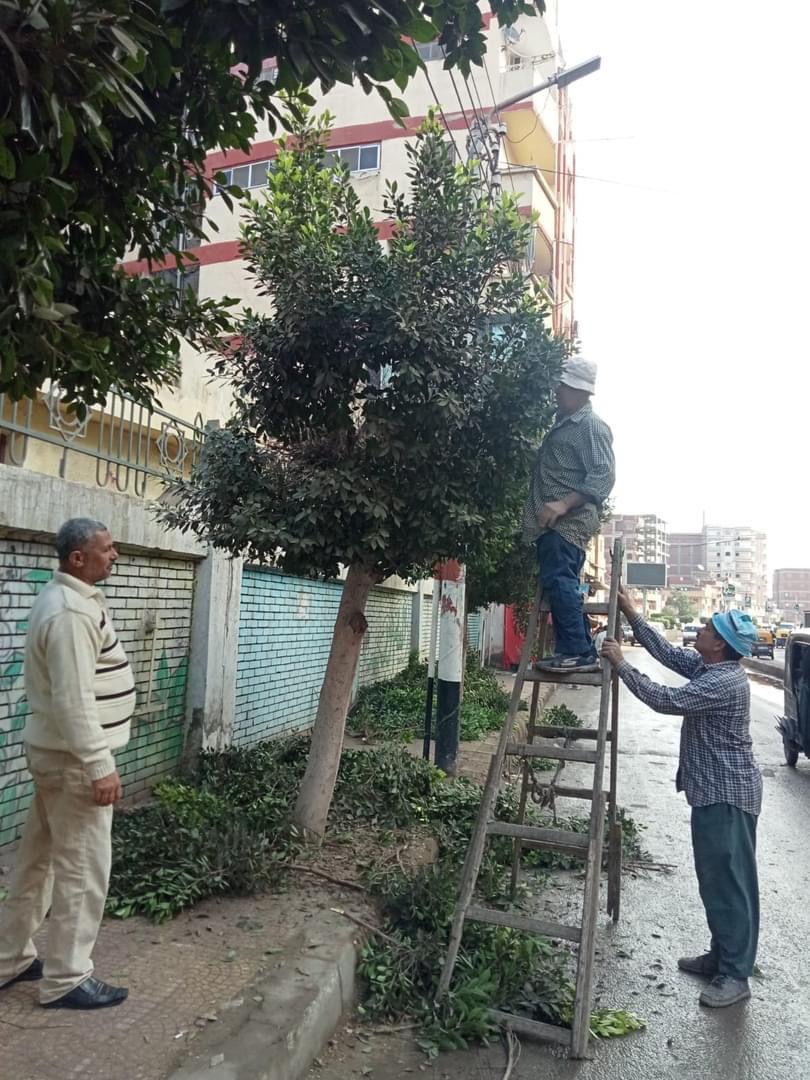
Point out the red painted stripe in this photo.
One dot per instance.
(350, 135)
(224, 251)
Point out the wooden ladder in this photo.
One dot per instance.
(588, 846)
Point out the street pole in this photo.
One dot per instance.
(451, 639)
(434, 633)
(487, 137)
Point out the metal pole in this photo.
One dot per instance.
(434, 632)
(451, 635)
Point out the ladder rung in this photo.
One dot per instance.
(572, 792)
(535, 1028)
(551, 750)
(523, 922)
(590, 608)
(565, 840)
(565, 678)
(553, 731)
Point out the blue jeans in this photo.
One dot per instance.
(560, 564)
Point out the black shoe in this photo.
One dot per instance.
(90, 994)
(31, 973)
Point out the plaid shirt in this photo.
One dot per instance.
(716, 760)
(576, 455)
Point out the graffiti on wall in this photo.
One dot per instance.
(15, 581)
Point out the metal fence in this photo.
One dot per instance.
(129, 441)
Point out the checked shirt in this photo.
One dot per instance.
(576, 455)
(716, 759)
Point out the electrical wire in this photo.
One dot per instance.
(439, 106)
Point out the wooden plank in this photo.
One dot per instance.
(544, 927)
(533, 1028)
(569, 792)
(592, 607)
(563, 678)
(558, 839)
(554, 731)
(551, 750)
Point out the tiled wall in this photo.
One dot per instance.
(285, 631)
(139, 585)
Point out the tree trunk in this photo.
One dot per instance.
(315, 796)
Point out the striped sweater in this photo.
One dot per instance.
(78, 681)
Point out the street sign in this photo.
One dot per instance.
(640, 575)
(729, 589)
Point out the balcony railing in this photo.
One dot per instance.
(129, 441)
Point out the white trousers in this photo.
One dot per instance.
(63, 865)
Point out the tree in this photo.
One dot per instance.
(108, 112)
(377, 413)
(681, 606)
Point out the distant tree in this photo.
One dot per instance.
(681, 607)
(379, 419)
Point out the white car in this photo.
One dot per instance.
(690, 633)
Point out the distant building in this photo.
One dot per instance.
(791, 592)
(687, 559)
(738, 554)
(645, 537)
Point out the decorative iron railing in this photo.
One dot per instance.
(129, 440)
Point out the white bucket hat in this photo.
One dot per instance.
(579, 374)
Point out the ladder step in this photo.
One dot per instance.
(590, 608)
(544, 927)
(534, 1028)
(564, 840)
(551, 750)
(554, 731)
(572, 792)
(565, 678)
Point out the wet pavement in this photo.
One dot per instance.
(767, 1038)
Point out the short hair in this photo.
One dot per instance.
(74, 534)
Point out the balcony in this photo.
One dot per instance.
(535, 195)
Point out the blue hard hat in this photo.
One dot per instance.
(736, 629)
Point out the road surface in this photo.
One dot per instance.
(766, 1038)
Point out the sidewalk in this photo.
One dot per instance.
(245, 988)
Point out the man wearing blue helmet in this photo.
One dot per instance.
(721, 781)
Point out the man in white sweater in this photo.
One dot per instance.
(81, 695)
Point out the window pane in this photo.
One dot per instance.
(351, 156)
(431, 51)
(258, 174)
(241, 176)
(370, 157)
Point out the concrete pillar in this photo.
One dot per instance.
(212, 665)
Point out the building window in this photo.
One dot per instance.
(252, 175)
(365, 158)
(182, 278)
(432, 51)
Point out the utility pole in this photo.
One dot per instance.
(485, 138)
(451, 643)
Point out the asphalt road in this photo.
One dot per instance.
(767, 1038)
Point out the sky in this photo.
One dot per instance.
(692, 262)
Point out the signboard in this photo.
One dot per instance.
(646, 575)
(729, 589)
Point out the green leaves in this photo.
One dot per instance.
(380, 418)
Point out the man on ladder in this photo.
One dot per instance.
(573, 476)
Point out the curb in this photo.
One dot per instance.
(277, 1038)
(766, 669)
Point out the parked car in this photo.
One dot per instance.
(690, 633)
(794, 726)
(628, 637)
(763, 646)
